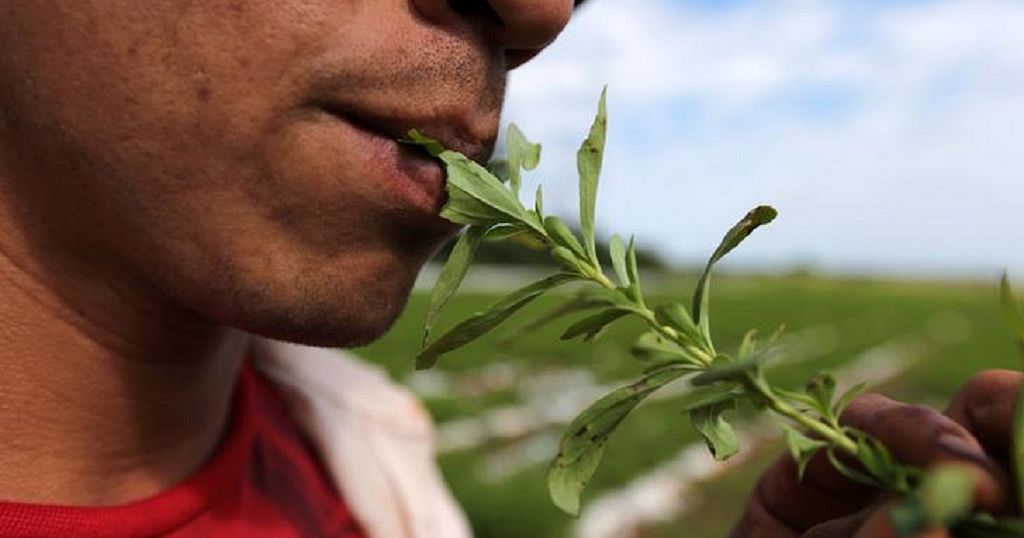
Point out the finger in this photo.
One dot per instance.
(758, 522)
(985, 407)
(844, 527)
(923, 437)
(799, 504)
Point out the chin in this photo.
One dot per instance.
(342, 309)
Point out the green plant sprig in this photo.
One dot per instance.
(678, 341)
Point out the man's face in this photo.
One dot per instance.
(237, 156)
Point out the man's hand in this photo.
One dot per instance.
(975, 431)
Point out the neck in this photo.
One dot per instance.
(107, 395)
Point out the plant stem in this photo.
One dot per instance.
(645, 313)
(832, 435)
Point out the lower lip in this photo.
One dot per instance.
(409, 173)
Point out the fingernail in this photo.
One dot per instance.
(960, 447)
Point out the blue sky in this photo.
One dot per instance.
(890, 135)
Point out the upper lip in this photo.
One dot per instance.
(452, 130)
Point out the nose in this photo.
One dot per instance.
(530, 25)
(521, 28)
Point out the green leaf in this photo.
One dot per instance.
(633, 271)
(653, 346)
(468, 179)
(1011, 310)
(567, 259)
(499, 168)
(748, 346)
(944, 497)
(482, 322)
(433, 147)
(675, 315)
(588, 161)
(726, 369)
(717, 433)
(947, 493)
(821, 388)
(590, 326)
(707, 396)
(581, 302)
(461, 208)
(802, 449)
(844, 401)
(617, 252)
(452, 274)
(538, 202)
(583, 444)
(505, 232)
(756, 218)
(522, 155)
(560, 233)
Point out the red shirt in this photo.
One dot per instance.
(264, 482)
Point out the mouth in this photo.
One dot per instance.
(412, 177)
(452, 132)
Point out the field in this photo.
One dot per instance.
(501, 403)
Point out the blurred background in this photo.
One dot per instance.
(887, 133)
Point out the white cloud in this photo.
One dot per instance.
(888, 133)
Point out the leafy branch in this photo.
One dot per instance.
(678, 341)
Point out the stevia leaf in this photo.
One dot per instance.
(802, 449)
(522, 155)
(748, 346)
(461, 208)
(847, 397)
(581, 302)
(590, 326)
(538, 202)
(1011, 310)
(756, 218)
(482, 322)
(947, 493)
(800, 399)
(821, 388)
(583, 443)
(707, 396)
(505, 232)
(588, 161)
(653, 346)
(499, 168)
(452, 274)
(431, 146)
(467, 180)
(560, 233)
(675, 315)
(850, 472)
(567, 259)
(617, 252)
(716, 431)
(633, 271)
(726, 369)
(944, 497)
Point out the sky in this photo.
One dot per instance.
(889, 134)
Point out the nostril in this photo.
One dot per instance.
(476, 9)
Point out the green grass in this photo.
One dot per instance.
(863, 314)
